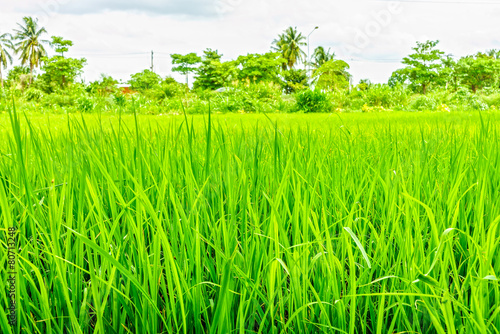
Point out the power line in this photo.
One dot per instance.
(152, 58)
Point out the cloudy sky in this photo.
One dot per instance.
(117, 36)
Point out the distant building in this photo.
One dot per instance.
(125, 89)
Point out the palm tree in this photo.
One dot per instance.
(5, 42)
(30, 46)
(321, 56)
(289, 44)
(493, 53)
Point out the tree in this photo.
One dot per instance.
(448, 74)
(104, 86)
(398, 78)
(186, 63)
(18, 76)
(171, 88)
(294, 80)
(60, 72)
(478, 71)
(60, 45)
(30, 44)
(320, 56)
(332, 75)
(260, 67)
(289, 44)
(16, 72)
(423, 65)
(212, 73)
(144, 80)
(363, 85)
(5, 57)
(493, 53)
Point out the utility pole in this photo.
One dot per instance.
(152, 57)
(308, 54)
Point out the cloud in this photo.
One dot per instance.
(116, 37)
(151, 7)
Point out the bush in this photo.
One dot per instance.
(196, 106)
(423, 102)
(232, 100)
(492, 100)
(172, 88)
(313, 101)
(463, 99)
(120, 100)
(286, 104)
(33, 94)
(155, 93)
(54, 100)
(294, 81)
(84, 104)
(4, 102)
(342, 99)
(379, 95)
(247, 97)
(144, 80)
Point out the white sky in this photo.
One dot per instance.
(117, 36)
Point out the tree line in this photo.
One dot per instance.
(426, 69)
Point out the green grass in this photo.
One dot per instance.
(351, 223)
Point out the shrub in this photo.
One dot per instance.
(54, 99)
(197, 107)
(247, 97)
(313, 101)
(33, 94)
(379, 96)
(84, 104)
(172, 88)
(232, 100)
(466, 100)
(294, 81)
(341, 99)
(492, 100)
(155, 93)
(285, 104)
(423, 102)
(144, 80)
(443, 108)
(120, 100)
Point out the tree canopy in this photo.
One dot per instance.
(186, 63)
(423, 66)
(332, 75)
(479, 71)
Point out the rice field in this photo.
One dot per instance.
(350, 223)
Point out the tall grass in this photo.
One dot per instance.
(199, 226)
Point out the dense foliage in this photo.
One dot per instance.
(429, 80)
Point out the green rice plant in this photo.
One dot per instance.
(293, 223)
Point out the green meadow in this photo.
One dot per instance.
(229, 223)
